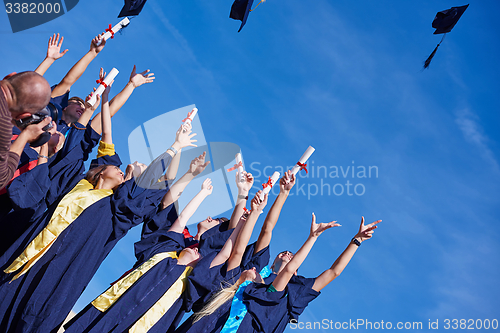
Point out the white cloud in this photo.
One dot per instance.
(468, 123)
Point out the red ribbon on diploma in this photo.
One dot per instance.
(240, 164)
(302, 166)
(189, 115)
(101, 82)
(110, 31)
(269, 183)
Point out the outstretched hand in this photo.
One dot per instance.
(141, 78)
(184, 137)
(93, 44)
(287, 181)
(317, 229)
(198, 164)
(207, 186)
(257, 203)
(97, 101)
(54, 48)
(366, 231)
(247, 182)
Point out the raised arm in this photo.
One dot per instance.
(79, 68)
(266, 233)
(188, 211)
(195, 168)
(243, 189)
(174, 165)
(136, 80)
(89, 110)
(155, 169)
(365, 232)
(106, 117)
(286, 273)
(246, 232)
(53, 53)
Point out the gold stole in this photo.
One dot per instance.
(71, 206)
(161, 307)
(110, 296)
(151, 317)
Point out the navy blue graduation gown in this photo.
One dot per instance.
(32, 192)
(266, 311)
(272, 311)
(143, 294)
(40, 300)
(218, 318)
(138, 298)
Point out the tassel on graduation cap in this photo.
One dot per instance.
(428, 60)
(240, 10)
(443, 23)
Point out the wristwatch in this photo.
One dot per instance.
(355, 241)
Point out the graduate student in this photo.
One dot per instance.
(270, 306)
(149, 298)
(47, 269)
(240, 269)
(34, 189)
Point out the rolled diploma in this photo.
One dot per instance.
(110, 77)
(190, 118)
(240, 168)
(122, 24)
(309, 151)
(274, 179)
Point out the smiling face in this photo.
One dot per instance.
(138, 168)
(112, 175)
(281, 260)
(251, 275)
(207, 224)
(188, 256)
(73, 111)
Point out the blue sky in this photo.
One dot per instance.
(344, 77)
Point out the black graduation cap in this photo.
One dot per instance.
(132, 8)
(240, 10)
(443, 23)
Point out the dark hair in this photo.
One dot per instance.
(76, 98)
(93, 174)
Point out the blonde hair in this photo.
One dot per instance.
(222, 296)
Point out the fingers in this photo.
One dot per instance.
(249, 177)
(373, 223)
(313, 218)
(362, 221)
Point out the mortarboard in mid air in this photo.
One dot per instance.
(443, 23)
(240, 10)
(132, 8)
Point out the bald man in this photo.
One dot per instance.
(21, 95)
